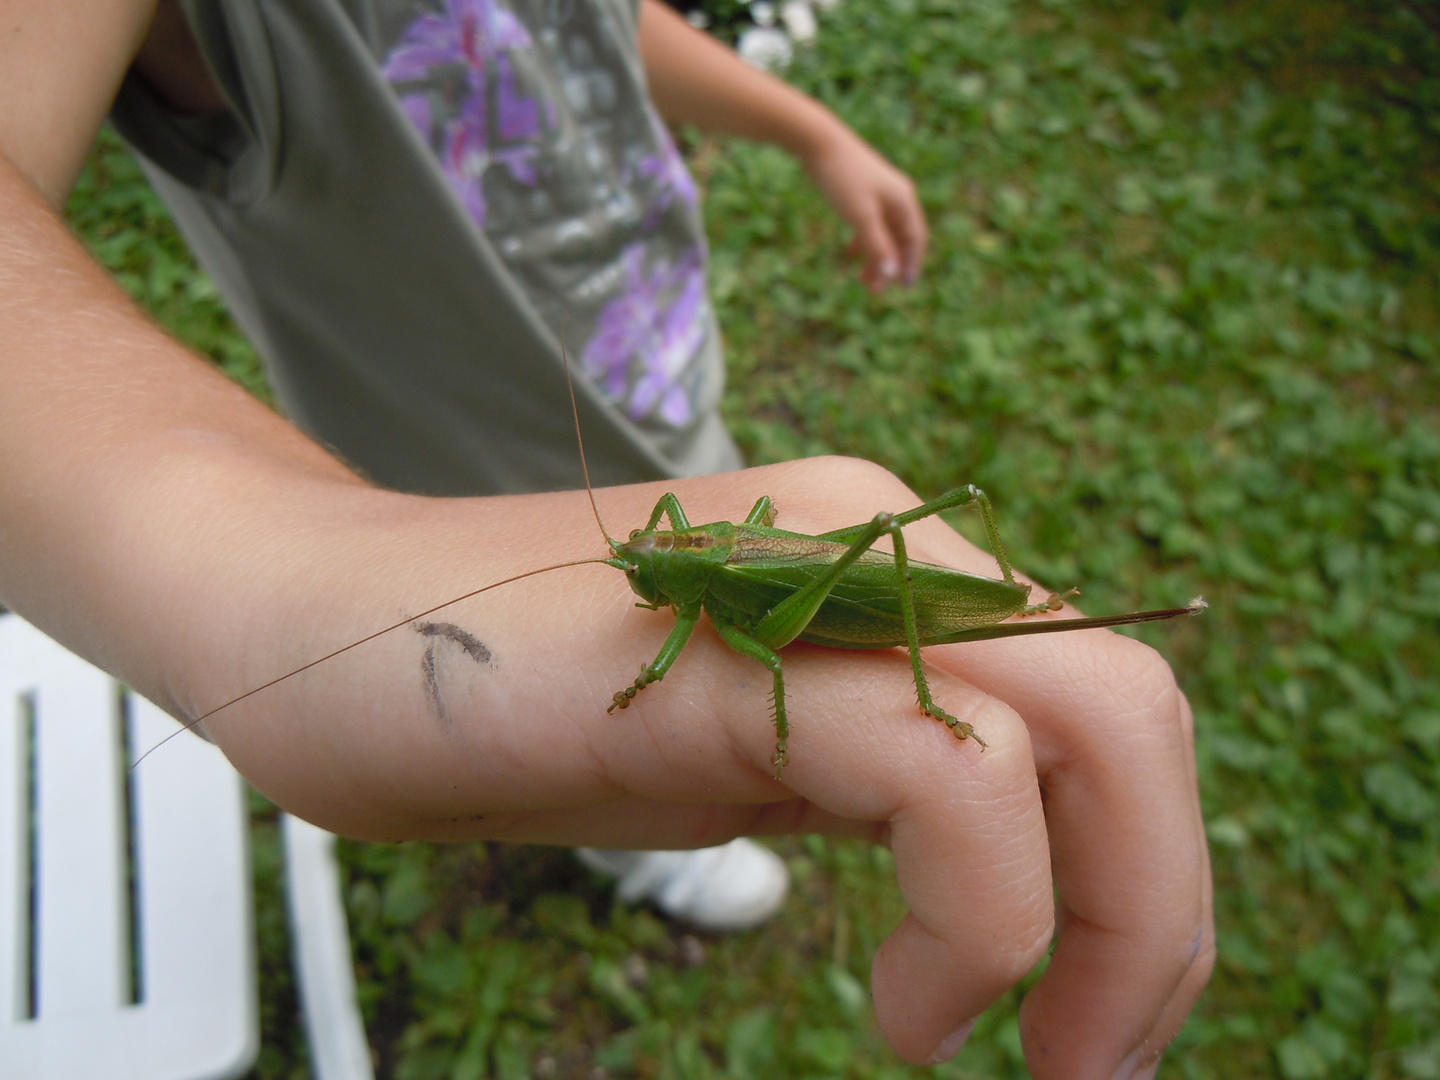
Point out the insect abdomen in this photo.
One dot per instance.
(863, 611)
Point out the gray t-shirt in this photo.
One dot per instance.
(410, 202)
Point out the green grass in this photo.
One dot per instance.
(1180, 319)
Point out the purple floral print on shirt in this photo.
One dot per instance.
(475, 36)
(655, 325)
(457, 72)
(672, 179)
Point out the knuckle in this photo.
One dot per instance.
(1188, 965)
(1033, 935)
(990, 716)
(1203, 966)
(1145, 678)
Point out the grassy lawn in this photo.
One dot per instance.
(1180, 319)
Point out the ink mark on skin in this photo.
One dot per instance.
(432, 684)
(473, 646)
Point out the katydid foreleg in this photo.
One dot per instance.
(667, 506)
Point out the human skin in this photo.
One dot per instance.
(160, 522)
(694, 79)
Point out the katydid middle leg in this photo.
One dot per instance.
(746, 645)
(762, 513)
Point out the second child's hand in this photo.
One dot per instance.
(694, 79)
(878, 201)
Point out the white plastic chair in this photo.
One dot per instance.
(126, 930)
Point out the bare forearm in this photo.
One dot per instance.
(193, 543)
(114, 441)
(694, 79)
(60, 64)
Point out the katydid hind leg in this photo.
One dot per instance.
(1053, 602)
(791, 617)
(959, 728)
(685, 620)
(746, 645)
(961, 496)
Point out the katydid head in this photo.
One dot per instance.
(636, 557)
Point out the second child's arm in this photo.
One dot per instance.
(697, 80)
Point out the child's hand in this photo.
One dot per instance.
(879, 202)
(697, 80)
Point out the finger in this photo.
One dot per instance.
(877, 248)
(1130, 863)
(966, 829)
(906, 220)
(1114, 751)
(1147, 1054)
(966, 826)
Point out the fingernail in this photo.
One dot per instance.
(951, 1044)
(889, 269)
(1131, 1069)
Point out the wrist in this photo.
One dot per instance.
(818, 136)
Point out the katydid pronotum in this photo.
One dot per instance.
(763, 588)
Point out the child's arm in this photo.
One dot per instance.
(165, 525)
(697, 80)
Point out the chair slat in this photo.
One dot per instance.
(197, 1018)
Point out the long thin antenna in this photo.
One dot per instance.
(354, 644)
(584, 467)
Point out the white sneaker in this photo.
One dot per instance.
(736, 886)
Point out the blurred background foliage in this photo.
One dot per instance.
(1180, 319)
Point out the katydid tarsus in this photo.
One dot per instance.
(762, 588)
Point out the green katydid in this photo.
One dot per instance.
(763, 588)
